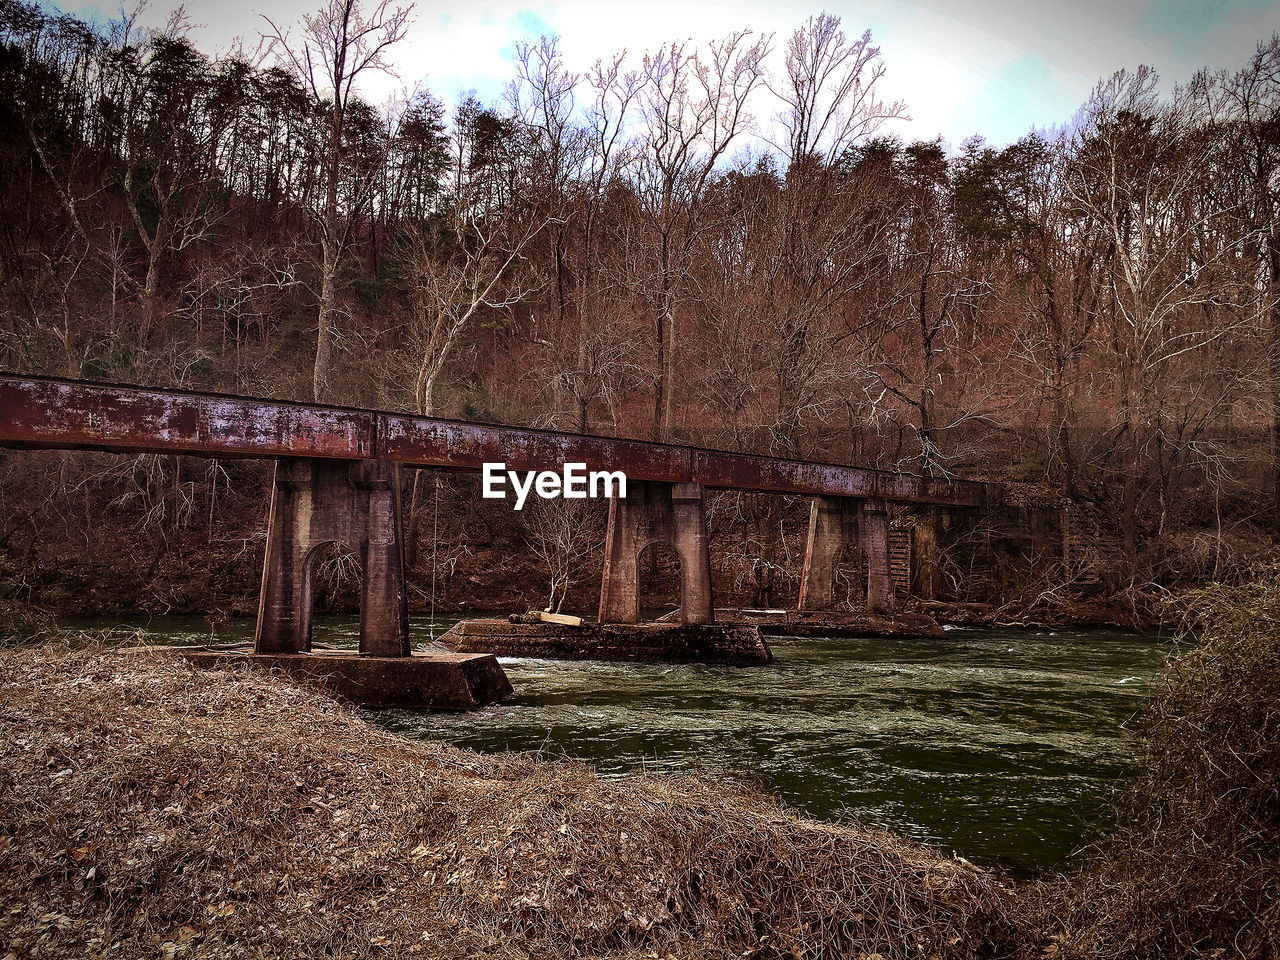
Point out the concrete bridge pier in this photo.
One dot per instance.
(926, 573)
(835, 522)
(833, 528)
(315, 503)
(874, 528)
(354, 503)
(654, 512)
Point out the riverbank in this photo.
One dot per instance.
(1115, 613)
(152, 809)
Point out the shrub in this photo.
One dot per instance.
(1194, 868)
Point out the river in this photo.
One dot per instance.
(1005, 746)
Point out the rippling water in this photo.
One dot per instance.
(1003, 745)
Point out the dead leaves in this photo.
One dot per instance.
(239, 810)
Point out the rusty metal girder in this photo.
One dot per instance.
(79, 415)
(44, 412)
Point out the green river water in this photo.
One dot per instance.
(1005, 746)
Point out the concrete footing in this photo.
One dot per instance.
(830, 623)
(739, 645)
(436, 681)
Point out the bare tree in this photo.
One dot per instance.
(478, 266)
(1246, 107)
(829, 97)
(1170, 290)
(604, 367)
(1014, 210)
(341, 41)
(563, 534)
(917, 358)
(779, 263)
(161, 128)
(542, 96)
(694, 106)
(166, 157)
(577, 169)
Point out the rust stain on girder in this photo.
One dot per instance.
(71, 414)
(36, 412)
(746, 472)
(445, 443)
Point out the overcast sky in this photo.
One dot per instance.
(994, 67)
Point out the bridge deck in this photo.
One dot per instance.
(50, 413)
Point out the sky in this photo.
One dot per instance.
(998, 68)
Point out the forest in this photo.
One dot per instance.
(716, 244)
(729, 244)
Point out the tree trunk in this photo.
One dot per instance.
(1273, 330)
(1129, 468)
(664, 398)
(1061, 413)
(150, 294)
(425, 392)
(320, 379)
(664, 403)
(669, 381)
(660, 384)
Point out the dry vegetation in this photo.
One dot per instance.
(726, 243)
(151, 810)
(1194, 867)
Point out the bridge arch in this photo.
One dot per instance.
(326, 561)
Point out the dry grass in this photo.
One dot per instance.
(147, 809)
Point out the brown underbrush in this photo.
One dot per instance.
(1193, 869)
(147, 809)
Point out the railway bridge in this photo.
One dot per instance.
(337, 479)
